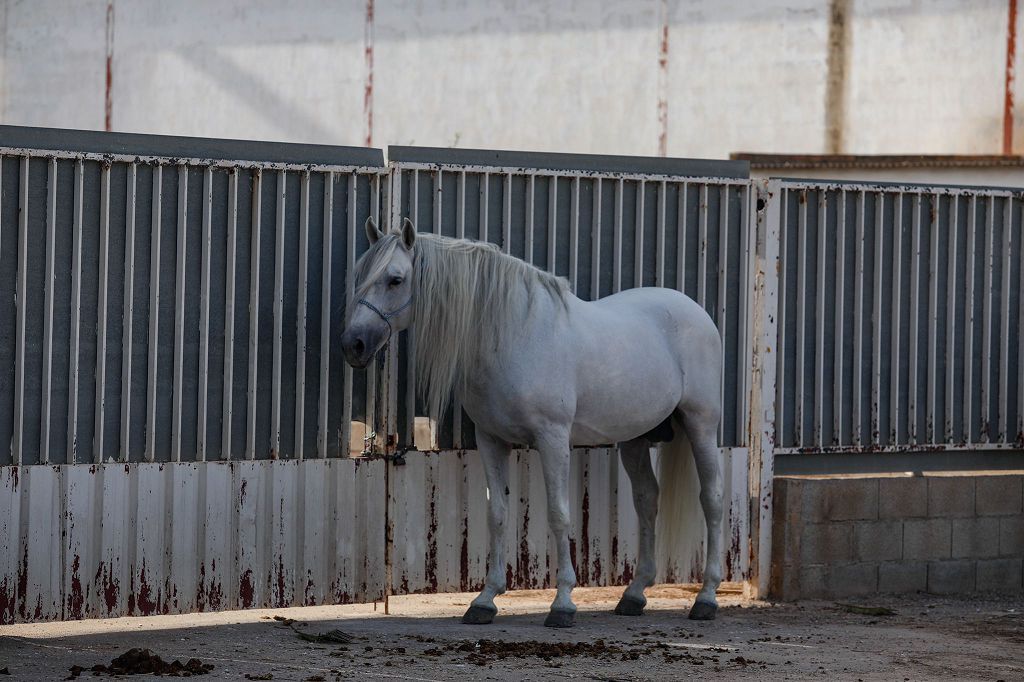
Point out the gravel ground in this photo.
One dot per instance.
(977, 637)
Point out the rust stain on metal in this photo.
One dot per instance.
(310, 593)
(585, 526)
(280, 582)
(246, 593)
(431, 558)
(1011, 57)
(368, 85)
(109, 585)
(241, 494)
(108, 100)
(464, 557)
(23, 583)
(147, 604)
(76, 600)
(526, 579)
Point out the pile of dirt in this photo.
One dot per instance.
(144, 662)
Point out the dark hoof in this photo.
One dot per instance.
(703, 610)
(628, 606)
(479, 615)
(560, 619)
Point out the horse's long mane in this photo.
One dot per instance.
(468, 297)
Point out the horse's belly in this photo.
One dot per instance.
(612, 413)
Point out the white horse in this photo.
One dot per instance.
(534, 365)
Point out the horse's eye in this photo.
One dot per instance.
(395, 281)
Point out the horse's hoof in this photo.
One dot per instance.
(560, 619)
(479, 615)
(703, 610)
(628, 606)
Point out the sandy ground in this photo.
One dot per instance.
(980, 637)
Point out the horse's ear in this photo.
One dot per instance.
(373, 232)
(408, 233)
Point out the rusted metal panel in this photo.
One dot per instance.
(119, 539)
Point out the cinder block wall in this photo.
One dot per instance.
(842, 536)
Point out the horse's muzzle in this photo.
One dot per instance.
(358, 347)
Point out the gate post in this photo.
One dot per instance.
(761, 428)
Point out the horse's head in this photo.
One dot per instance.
(382, 304)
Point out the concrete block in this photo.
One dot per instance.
(854, 579)
(826, 543)
(1000, 575)
(927, 539)
(948, 577)
(902, 498)
(898, 577)
(878, 540)
(1011, 536)
(787, 521)
(997, 495)
(975, 538)
(846, 499)
(814, 582)
(950, 496)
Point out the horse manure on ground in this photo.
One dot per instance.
(144, 662)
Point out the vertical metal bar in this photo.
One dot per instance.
(485, 204)
(785, 234)
(275, 391)
(128, 310)
(76, 314)
(838, 388)
(954, 220)
(552, 222)
(617, 239)
(21, 302)
(530, 187)
(325, 314)
(858, 322)
(1004, 338)
(1020, 343)
(819, 336)
(300, 317)
(101, 316)
(897, 293)
(986, 330)
(932, 433)
(969, 321)
(460, 231)
(51, 236)
(506, 222)
(702, 248)
(681, 239)
(595, 244)
(915, 293)
(742, 343)
(254, 313)
(179, 313)
(659, 263)
(350, 265)
(723, 271)
(574, 235)
(410, 351)
(638, 237)
(204, 315)
(154, 304)
(229, 314)
(801, 320)
(876, 330)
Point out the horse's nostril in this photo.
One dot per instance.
(359, 347)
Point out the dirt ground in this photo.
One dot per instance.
(980, 637)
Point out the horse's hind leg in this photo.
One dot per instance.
(636, 460)
(702, 428)
(495, 455)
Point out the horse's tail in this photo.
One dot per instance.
(680, 528)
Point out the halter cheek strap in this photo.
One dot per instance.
(386, 316)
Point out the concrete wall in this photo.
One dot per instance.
(840, 536)
(695, 78)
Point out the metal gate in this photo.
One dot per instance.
(180, 427)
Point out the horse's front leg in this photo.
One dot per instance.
(495, 454)
(554, 457)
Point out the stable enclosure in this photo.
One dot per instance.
(180, 424)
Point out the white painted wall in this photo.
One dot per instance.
(579, 75)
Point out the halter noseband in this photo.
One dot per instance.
(386, 316)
